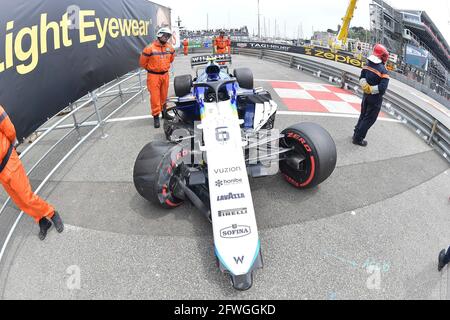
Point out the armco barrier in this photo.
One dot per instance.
(430, 124)
(98, 107)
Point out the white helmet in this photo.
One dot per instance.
(163, 31)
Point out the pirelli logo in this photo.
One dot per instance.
(233, 212)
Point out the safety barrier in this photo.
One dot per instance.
(431, 126)
(126, 88)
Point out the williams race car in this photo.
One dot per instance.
(220, 132)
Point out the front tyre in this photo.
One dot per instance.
(155, 170)
(312, 158)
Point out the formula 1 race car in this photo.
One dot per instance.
(220, 132)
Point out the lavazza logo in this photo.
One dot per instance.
(225, 183)
(232, 212)
(227, 170)
(235, 231)
(231, 196)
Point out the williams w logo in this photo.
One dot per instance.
(239, 260)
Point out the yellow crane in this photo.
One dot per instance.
(343, 33)
(341, 39)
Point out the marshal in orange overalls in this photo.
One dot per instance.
(156, 59)
(13, 176)
(221, 45)
(185, 47)
(229, 45)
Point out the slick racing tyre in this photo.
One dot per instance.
(313, 156)
(182, 85)
(244, 77)
(155, 170)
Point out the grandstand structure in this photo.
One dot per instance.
(233, 33)
(413, 30)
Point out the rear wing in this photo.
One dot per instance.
(218, 58)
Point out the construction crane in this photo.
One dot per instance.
(343, 33)
(341, 39)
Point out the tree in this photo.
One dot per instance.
(358, 33)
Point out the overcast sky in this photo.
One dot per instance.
(315, 14)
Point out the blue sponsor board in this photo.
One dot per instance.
(417, 57)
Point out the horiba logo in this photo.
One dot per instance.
(235, 231)
(232, 182)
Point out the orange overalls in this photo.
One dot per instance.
(229, 45)
(221, 44)
(13, 176)
(156, 59)
(186, 47)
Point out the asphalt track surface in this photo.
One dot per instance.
(386, 205)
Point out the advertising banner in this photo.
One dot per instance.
(54, 52)
(417, 57)
(339, 56)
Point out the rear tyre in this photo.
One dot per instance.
(182, 85)
(244, 77)
(313, 158)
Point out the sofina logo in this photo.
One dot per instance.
(235, 231)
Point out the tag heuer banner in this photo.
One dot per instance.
(53, 52)
(340, 56)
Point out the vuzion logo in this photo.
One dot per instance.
(235, 231)
(227, 170)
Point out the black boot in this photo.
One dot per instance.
(444, 259)
(156, 122)
(57, 221)
(362, 143)
(44, 226)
